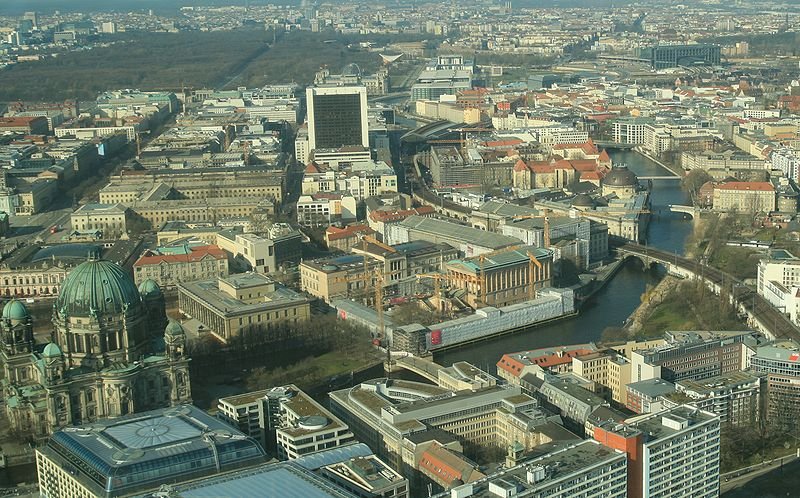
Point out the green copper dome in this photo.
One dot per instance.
(95, 288)
(174, 329)
(51, 350)
(15, 310)
(149, 288)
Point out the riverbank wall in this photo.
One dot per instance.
(650, 300)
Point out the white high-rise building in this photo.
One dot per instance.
(673, 453)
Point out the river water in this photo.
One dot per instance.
(612, 305)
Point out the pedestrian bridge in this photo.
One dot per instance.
(692, 211)
(420, 366)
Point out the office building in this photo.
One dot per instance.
(389, 414)
(672, 453)
(744, 197)
(285, 421)
(109, 219)
(667, 56)
(107, 357)
(693, 355)
(647, 396)
(243, 302)
(360, 179)
(276, 247)
(337, 117)
(367, 477)
(137, 453)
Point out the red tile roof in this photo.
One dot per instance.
(335, 233)
(400, 214)
(196, 254)
(753, 186)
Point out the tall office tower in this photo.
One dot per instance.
(33, 17)
(337, 117)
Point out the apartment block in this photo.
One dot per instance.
(672, 453)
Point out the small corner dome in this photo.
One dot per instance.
(15, 310)
(51, 351)
(620, 176)
(583, 200)
(174, 329)
(149, 288)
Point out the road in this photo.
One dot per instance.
(754, 480)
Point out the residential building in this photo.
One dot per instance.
(735, 397)
(580, 469)
(744, 197)
(337, 117)
(229, 306)
(780, 363)
(778, 281)
(102, 361)
(512, 366)
(184, 264)
(345, 238)
(646, 396)
(285, 421)
(607, 369)
(672, 453)
(105, 459)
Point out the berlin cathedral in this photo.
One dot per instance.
(112, 352)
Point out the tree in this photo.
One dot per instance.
(693, 180)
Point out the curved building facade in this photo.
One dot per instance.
(110, 355)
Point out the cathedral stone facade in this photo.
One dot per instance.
(112, 352)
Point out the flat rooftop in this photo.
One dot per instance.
(556, 466)
(275, 480)
(208, 293)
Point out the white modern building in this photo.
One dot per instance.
(285, 420)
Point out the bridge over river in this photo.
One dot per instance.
(760, 313)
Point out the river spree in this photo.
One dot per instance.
(614, 304)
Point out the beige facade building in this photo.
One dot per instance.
(168, 270)
(346, 276)
(611, 371)
(110, 219)
(745, 197)
(251, 301)
(502, 278)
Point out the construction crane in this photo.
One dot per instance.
(546, 215)
(437, 285)
(533, 264)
